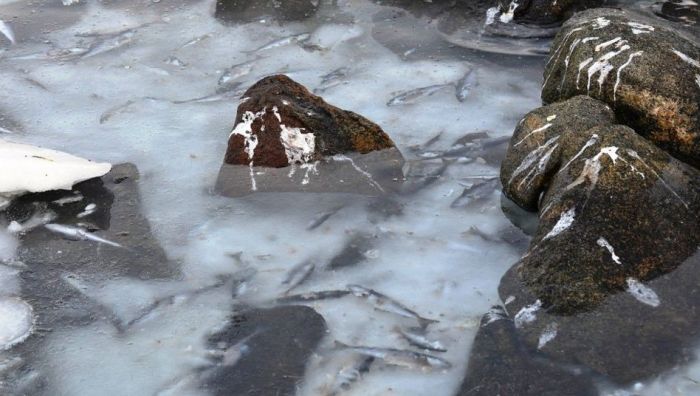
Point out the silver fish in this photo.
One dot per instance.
(196, 40)
(398, 357)
(7, 131)
(111, 112)
(110, 44)
(313, 296)
(414, 95)
(231, 355)
(322, 217)
(217, 97)
(235, 72)
(174, 61)
(6, 30)
(298, 275)
(349, 374)
(78, 234)
(284, 41)
(387, 304)
(464, 86)
(477, 192)
(417, 339)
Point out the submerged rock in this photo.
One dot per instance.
(648, 74)
(70, 239)
(543, 12)
(500, 365)
(41, 170)
(634, 335)
(265, 351)
(280, 123)
(615, 210)
(679, 11)
(252, 10)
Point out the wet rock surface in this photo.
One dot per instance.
(545, 12)
(534, 149)
(499, 364)
(687, 12)
(655, 323)
(280, 123)
(614, 210)
(272, 345)
(253, 10)
(649, 75)
(58, 263)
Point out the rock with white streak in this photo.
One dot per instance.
(280, 123)
(655, 322)
(648, 73)
(31, 169)
(612, 207)
(543, 12)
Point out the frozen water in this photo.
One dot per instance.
(100, 82)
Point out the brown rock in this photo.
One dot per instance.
(280, 123)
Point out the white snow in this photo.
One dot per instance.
(35, 169)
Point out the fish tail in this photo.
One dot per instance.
(425, 322)
(340, 345)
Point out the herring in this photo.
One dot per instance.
(296, 38)
(6, 30)
(78, 234)
(414, 95)
(111, 43)
(387, 304)
(349, 374)
(313, 296)
(298, 275)
(399, 357)
(322, 217)
(465, 84)
(419, 340)
(235, 72)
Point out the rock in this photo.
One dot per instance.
(253, 10)
(535, 147)
(679, 11)
(280, 123)
(58, 264)
(649, 75)
(274, 346)
(543, 12)
(500, 365)
(614, 211)
(626, 339)
(42, 169)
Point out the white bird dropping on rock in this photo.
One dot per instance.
(16, 322)
(36, 169)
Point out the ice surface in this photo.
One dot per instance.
(129, 102)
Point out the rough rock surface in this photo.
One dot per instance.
(545, 12)
(534, 148)
(275, 345)
(615, 211)
(648, 74)
(627, 327)
(500, 365)
(252, 10)
(679, 11)
(280, 123)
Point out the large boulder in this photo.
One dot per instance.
(615, 210)
(649, 75)
(280, 123)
